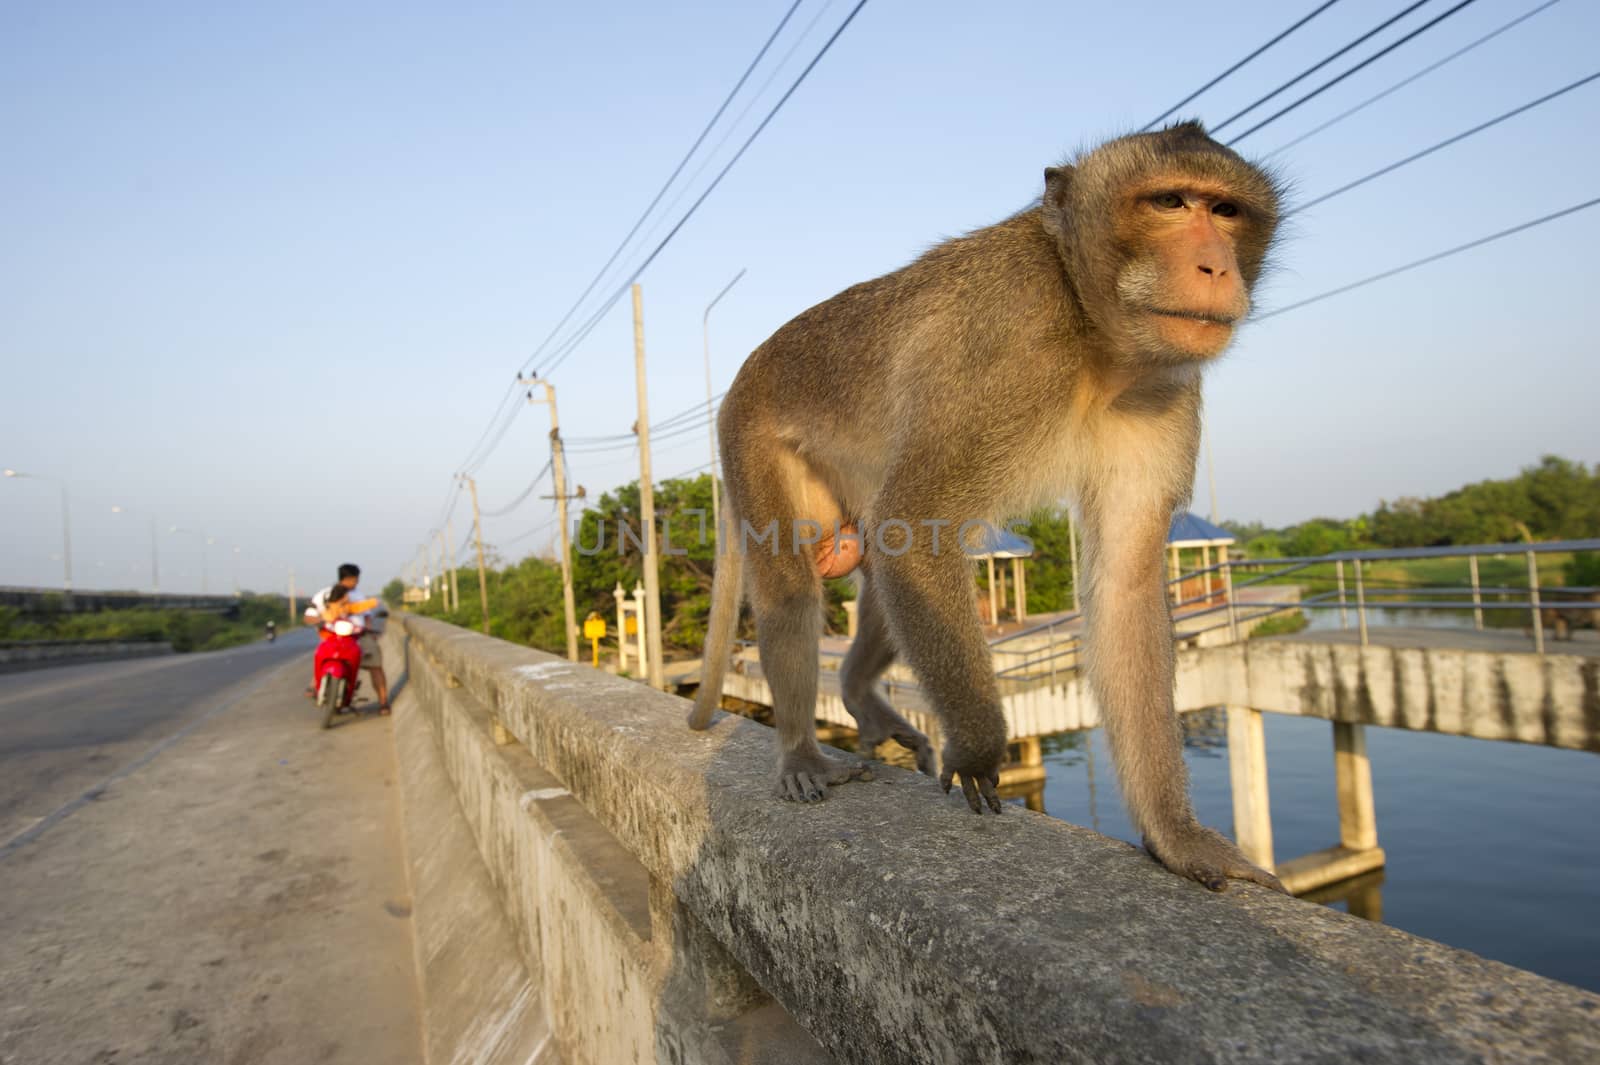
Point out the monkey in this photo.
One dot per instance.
(1055, 354)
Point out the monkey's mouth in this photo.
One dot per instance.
(1209, 317)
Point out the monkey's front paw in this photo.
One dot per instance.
(1207, 856)
(978, 785)
(802, 779)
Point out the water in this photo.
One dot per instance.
(1492, 847)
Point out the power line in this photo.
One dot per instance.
(668, 184)
(1430, 259)
(510, 393)
(1369, 101)
(1306, 73)
(1317, 11)
(730, 128)
(1463, 135)
(1330, 83)
(571, 345)
(526, 492)
(665, 423)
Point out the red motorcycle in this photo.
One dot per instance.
(335, 673)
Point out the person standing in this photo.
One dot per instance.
(377, 619)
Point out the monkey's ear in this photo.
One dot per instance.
(1057, 179)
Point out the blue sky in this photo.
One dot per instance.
(265, 270)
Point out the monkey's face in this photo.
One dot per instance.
(1181, 290)
(1163, 236)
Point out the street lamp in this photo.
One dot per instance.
(711, 427)
(155, 564)
(66, 526)
(204, 540)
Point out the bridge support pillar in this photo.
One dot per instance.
(1358, 821)
(1247, 772)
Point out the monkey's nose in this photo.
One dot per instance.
(1213, 273)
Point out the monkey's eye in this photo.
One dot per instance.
(1168, 201)
(1226, 210)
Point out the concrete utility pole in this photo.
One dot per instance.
(450, 553)
(647, 506)
(477, 533)
(711, 421)
(292, 613)
(558, 470)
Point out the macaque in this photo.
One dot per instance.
(1056, 354)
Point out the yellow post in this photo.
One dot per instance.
(594, 630)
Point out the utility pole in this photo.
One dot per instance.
(647, 506)
(155, 564)
(711, 422)
(558, 469)
(443, 579)
(449, 549)
(292, 618)
(477, 532)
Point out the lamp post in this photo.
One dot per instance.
(155, 564)
(66, 527)
(205, 588)
(711, 423)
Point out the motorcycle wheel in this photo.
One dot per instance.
(334, 686)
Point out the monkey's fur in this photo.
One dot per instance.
(1057, 353)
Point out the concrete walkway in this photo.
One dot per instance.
(238, 897)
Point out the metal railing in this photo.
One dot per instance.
(1054, 647)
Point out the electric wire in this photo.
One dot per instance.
(1331, 82)
(1463, 135)
(711, 156)
(668, 183)
(1306, 73)
(1429, 259)
(501, 512)
(1305, 19)
(594, 321)
(1369, 101)
(698, 409)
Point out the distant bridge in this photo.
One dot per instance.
(35, 600)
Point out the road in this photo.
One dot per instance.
(191, 870)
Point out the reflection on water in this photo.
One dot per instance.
(1492, 847)
(1361, 896)
(1419, 617)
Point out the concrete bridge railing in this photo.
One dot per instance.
(667, 908)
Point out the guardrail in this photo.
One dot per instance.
(894, 926)
(1353, 597)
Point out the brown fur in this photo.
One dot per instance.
(1057, 353)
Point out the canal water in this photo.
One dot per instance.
(1492, 847)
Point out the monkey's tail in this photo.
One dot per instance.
(721, 625)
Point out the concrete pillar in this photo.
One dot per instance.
(622, 627)
(1247, 771)
(639, 635)
(1358, 821)
(850, 606)
(1019, 583)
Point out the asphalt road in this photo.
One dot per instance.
(65, 731)
(193, 871)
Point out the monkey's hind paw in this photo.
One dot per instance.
(807, 779)
(1209, 858)
(974, 788)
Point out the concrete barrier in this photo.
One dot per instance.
(43, 654)
(669, 909)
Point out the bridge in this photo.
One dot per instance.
(579, 878)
